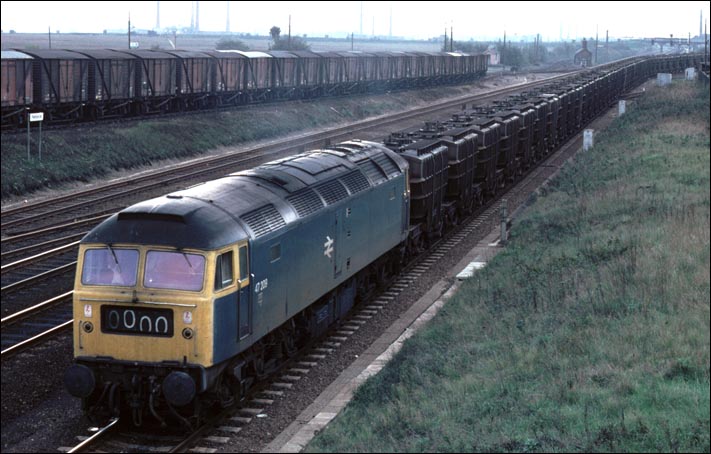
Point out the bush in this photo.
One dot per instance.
(228, 43)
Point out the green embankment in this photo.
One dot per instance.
(92, 152)
(590, 332)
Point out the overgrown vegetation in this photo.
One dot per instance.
(590, 332)
(231, 43)
(288, 43)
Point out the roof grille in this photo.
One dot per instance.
(372, 171)
(355, 182)
(264, 220)
(386, 163)
(305, 202)
(332, 191)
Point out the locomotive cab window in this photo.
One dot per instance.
(224, 273)
(110, 266)
(174, 270)
(275, 252)
(243, 263)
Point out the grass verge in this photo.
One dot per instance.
(590, 332)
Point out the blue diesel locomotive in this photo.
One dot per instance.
(199, 292)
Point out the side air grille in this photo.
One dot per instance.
(332, 192)
(355, 182)
(264, 220)
(305, 202)
(386, 163)
(372, 171)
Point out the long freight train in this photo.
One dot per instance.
(72, 86)
(183, 301)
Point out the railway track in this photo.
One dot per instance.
(36, 324)
(33, 234)
(228, 424)
(113, 196)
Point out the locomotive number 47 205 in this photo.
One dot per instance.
(261, 286)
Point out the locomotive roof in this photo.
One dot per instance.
(252, 203)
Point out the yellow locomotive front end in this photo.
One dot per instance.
(137, 303)
(142, 329)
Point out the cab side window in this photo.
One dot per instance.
(243, 263)
(224, 274)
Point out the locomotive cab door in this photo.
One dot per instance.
(244, 297)
(338, 226)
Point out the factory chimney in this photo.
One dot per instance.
(361, 18)
(157, 15)
(197, 16)
(227, 27)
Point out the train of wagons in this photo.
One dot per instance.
(78, 85)
(182, 302)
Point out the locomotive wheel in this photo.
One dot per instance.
(235, 387)
(259, 366)
(381, 275)
(469, 206)
(288, 341)
(92, 113)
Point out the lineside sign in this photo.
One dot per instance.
(39, 116)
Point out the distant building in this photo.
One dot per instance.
(583, 57)
(494, 55)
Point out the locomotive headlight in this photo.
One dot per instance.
(88, 327)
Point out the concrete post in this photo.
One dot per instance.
(621, 107)
(664, 79)
(504, 221)
(588, 139)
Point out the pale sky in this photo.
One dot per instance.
(412, 19)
